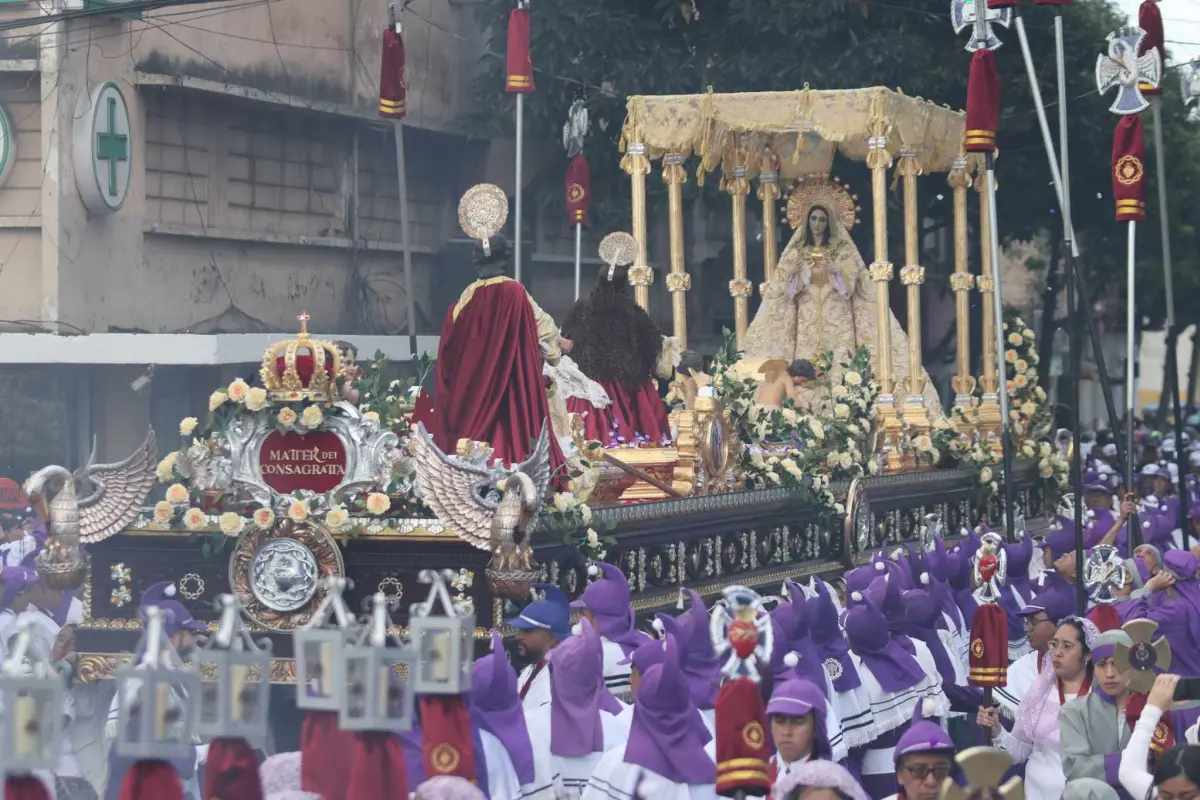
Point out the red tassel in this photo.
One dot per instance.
(392, 89)
(743, 751)
(152, 780)
(1129, 170)
(1150, 20)
(446, 739)
(518, 63)
(326, 752)
(1105, 618)
(983, 104)
(578, 189)
(25, 787)
(989, 647)
(378, 768)
(231, 772)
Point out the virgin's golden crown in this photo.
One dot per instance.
(301, 369)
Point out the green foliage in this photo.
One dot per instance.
(605, 50)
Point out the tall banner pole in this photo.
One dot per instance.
(393, 94)
(1122, 68)
(579, 181)
(983, 117)
(518, 80)
(1150, 21)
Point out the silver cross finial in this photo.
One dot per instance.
(1124, 68)
(963, 14)
(1104, 573)
(1190, 88)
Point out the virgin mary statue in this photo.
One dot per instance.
(821, 300)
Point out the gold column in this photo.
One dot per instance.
(961, 283)
(740, 288)
(912, 275)
(678, 281)
(637, 165)
(990, 423)
(878, 160)
(768, 193)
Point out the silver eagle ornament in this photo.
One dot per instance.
(113, 502)
(489, 506)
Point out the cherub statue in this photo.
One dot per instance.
(782, 380)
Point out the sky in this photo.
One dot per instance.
(1181, 25)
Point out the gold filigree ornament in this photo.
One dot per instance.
(984, 768)
(617, 249)
(822, 190)
(482, 212)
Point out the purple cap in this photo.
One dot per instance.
(795, 698)
(1056, 605)
(1097, 482)
(1181, 563)
(15, 580)
(178, 618)
(647, 654)
(609, 594)
(922, 736)
(1060, 536)
(1106, 643)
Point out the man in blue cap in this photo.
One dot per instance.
(540, 626)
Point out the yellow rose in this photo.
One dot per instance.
(336, 518)
(853, 379)
(163, 511)
(298, 511)
(286, 417)
(256, 399)
(1021, 365)
(312, 417)
(264, 518)
(166, 467)
(187, 425)
(238, 391)
(1021, 381)
(231, 523)
(378, 503)
(177, 493)
(841, 411)
(217, 399)
(1010, 356)
(840, 391)
(1014, 339)
(194, 519)
(372, 416)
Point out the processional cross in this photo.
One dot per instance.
(965, 13)
(303, 317)
(1124, 68)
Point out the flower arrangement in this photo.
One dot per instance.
(389, 402)
(789, 448)
(570, 512)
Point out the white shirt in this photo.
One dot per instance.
(614, 779)
(1021, 675)
(538, 693)
(572, 773)
(616, 675)
(1044, 778)
(502, 775)
(13, 553)
(1133, 775)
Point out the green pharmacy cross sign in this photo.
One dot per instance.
(112, 147)
(103, 148)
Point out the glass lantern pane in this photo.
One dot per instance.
(358, 673)
(246, 700)
(318, 669)
(210, 703)
(30, 726)
(394, 702)
(437, 646)
(170, 722)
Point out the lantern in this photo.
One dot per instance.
(32, 693)
(317, 649)
(443, 643)
(156, 719)
(377, 669)
(234, 704)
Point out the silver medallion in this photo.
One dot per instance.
(284, 575)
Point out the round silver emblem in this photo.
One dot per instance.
(833, 668)
(284, 575)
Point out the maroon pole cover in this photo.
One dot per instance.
(518, 74)
(743, 750)
(392, 91)
(1150, 20)
(1129, 170)
(983, 103)
(578, 190)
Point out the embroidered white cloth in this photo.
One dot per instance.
(614, 779)
(573, 383)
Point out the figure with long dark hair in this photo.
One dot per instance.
(620, 347)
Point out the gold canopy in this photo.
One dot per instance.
(803, 127)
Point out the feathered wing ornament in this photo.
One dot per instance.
(118, 491)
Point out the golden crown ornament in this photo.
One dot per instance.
(482, 212)
(822, 190)
(301, 369)
(616, 249)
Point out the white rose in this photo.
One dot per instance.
(264, 518)
(846, 461)
(177, 493)
(840, 391)
(773, 477)
(163, 511)
(985, 475)
(298, 511)
(336, 518)
(378, 503)
(593, 538)
(873, 467)
(841, 411)
(238, 390)
(790, 416)
(585, 514)
(372, 416)
(563, 501)
(231, 523)
(217, 399)
(818, 430)
(312, 417)
(166, 467)
(194, 519)
(853, 379)
(256, 399)
(187, 425)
